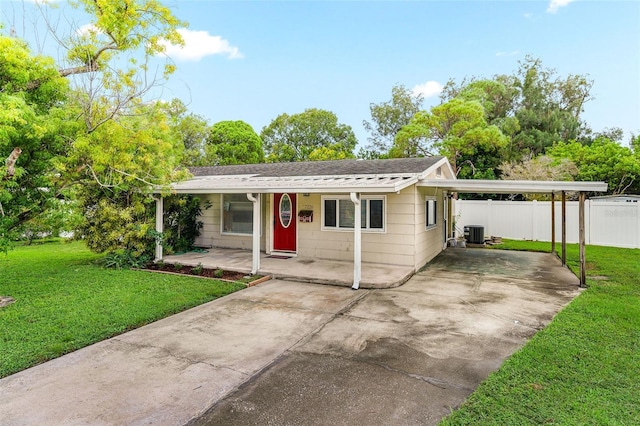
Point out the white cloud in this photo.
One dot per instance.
(512, 53)
(528, 16)
(87, 29)
(198, 44)
(554, 5)
(428, 89)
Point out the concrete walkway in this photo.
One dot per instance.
(293, 353)
(305, 269)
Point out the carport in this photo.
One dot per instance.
(533, 187)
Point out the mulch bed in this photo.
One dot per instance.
(204, 272)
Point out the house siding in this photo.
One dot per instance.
(211, 235)
(405, 241)
(429, 242)
(394, 246)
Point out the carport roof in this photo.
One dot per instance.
(512, 186)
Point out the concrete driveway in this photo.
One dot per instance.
(305, 354)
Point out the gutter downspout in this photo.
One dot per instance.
(357, 241)
(255, 264)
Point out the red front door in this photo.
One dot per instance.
(284, 227)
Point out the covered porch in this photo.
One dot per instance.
(318, 271)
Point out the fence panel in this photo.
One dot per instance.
(615, 224)
(606, 223)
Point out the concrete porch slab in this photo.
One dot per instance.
(302, 269)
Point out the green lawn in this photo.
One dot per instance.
(65, 300)
(584, 368)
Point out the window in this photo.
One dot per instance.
(237, 214)
(338, 213)
(431, 213)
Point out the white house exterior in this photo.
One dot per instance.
(394, 211)
(310, 209)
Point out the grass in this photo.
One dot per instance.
(584, 368)
(65, 300)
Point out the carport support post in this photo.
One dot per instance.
(553, 223)
(255, 264)
(357, 240)
(564, 228)
(159, 226)
(583, 278)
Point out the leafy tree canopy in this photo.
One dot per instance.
(33, 130)
(603, 160)
(233, 142)
(312, 134)
(454, 129)
(387, 118)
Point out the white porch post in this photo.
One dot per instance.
(159, 225)
(255, 264)
(357, 241)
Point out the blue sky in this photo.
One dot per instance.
(253, 60)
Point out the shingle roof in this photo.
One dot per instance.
(342, 176)
(323, 168)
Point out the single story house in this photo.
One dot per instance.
(393, 211)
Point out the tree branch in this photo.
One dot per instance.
(11, 162)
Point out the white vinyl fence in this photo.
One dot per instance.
(607, 223)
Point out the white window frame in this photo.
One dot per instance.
(427, 202)
(363, 199)
(222, 210)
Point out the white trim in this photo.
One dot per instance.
(230, 233)
(291, 212)
(296, 184)
(428, 227)
(382, 230)
(512, 186)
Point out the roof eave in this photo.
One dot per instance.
(513, 186)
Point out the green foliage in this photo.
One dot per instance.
(584, 368)
(126, 259)
(65, 301)
(219, 273)
(117, 166)
(603, 160)
(387, 118)
(181, 224)
(189, 128)
(453, 129)
(312, 134)
(233, 142)
(61, 216)
(534, 108)
(197, 270)
(32, 119)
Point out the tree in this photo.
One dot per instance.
(603, 160)
(542, 167)
(534, 108)
(549, 107)
(387, 118)
(453, 129)
(233, 142)
(115, 168)
(314, 133)
(116, 148)
(190, 128)
(33, 132)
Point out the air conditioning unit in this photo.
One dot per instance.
(474, 234)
